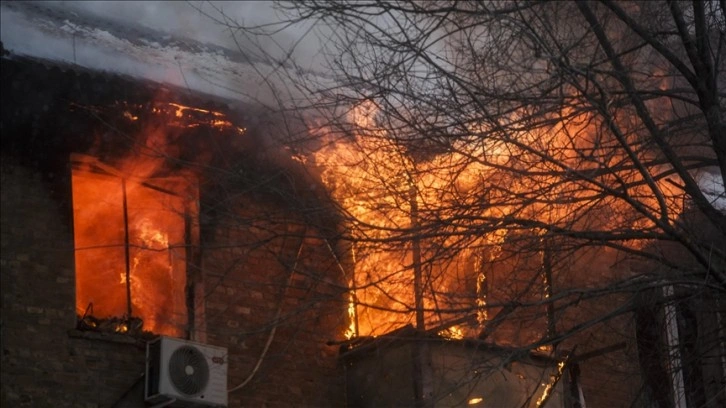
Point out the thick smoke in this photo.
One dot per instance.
(196, 20)
(180, 43)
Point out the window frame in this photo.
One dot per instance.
(130, 323)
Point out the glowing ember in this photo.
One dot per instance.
(555, 378)
(180, 115)
(352, 327)
(452, 333)
(197, 116)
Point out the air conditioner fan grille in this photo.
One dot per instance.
(188, 370)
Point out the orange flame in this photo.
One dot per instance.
(371, 177)
(133, 225)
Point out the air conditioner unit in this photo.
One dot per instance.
(189, 374)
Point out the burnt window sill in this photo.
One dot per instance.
(115, 330)
(110, 337)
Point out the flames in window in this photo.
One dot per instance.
(132, 235)
(135, 224)
(136, 217)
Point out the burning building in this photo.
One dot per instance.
(132, 209)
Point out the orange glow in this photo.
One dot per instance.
(132, 231)
(134, 224)
(156, 248)
(452, 333)
(178, 115)
(371, 176)
(192, 117)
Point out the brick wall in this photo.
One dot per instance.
(42, 365)
(590, 316)
(247, 288)
(265, 271)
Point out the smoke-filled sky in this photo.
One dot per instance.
(166, 41)
(148, 39)
(188, 19)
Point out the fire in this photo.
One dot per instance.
(179, 115)
(132, 229)
(352, 330)
(385, 191)
(196, 117)
(146, 263)
(452, 333)
(548, 387)
(383, 278)
(152, 237)
(135, 219)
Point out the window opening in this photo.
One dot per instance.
(132, 236)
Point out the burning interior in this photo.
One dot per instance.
(168, 219)
(136, 223)
(146, 175)
(132, 235)
(143, 194)
(431, 232)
